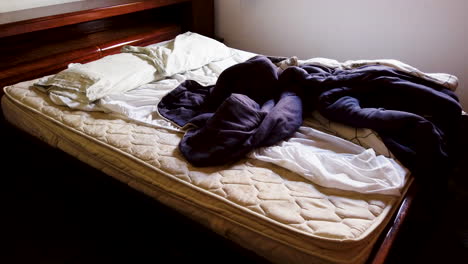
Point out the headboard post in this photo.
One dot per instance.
(202, 17)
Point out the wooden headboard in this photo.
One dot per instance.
(42, 41)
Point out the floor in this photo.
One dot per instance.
(55, 210)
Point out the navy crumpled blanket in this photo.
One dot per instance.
(255, 104)
(247, 108)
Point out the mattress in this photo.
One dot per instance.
(263, 207)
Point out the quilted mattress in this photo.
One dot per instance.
(262, 207)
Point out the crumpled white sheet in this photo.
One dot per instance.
(140, 104)
(186, 52)
(81, 85)
(130, 85)
(333, 162)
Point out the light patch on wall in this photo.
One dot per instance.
(8, 6)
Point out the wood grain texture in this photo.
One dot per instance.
(202, 17)
(53, 21)
(153, 35)
(47, 65)
(97, 46)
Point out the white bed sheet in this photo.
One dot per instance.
(141, 104)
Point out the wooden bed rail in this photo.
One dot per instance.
(390, 234)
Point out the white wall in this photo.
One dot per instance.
(14, 5)
(431, 35)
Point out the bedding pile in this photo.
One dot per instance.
(256, 103)
(297, 186)
(253, 105)
(130, 84)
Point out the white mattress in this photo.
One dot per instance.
(265, 208)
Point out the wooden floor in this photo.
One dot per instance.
(55, 210)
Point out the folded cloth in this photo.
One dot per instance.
(82, 84)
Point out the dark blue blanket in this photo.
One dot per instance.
(255, 104)
(244, 110)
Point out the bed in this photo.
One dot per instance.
(263, 207)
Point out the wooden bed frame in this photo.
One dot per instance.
(45, 40)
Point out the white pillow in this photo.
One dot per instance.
(94, 80)
(188, 51)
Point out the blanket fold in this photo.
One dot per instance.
(256, 104)
(236, 115)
